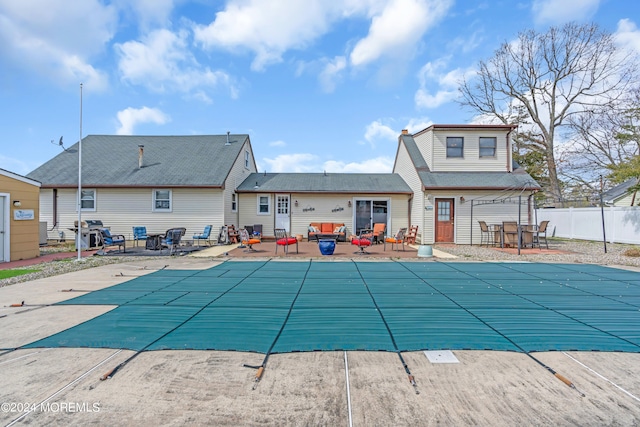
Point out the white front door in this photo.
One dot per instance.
(3, 215)
(283, 208)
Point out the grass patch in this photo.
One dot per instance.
(633, 252)
(5, 274)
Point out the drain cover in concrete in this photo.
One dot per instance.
(441, 356)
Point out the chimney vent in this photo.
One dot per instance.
(405, 132)
(140, 155)
(228, 143)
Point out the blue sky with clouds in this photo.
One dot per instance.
(317, 84)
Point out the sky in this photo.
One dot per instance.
(319, 85)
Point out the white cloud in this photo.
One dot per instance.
(561, 11)
(301, 162)
(417, 124)
(447, 84)
(130, 117)
(269, 29)
(332, 73)
(278, 143)
(162, 62)
(56, 38)
(398, 28)
(376, 131)
(310, 163)
(149, 12)
(378, 164)
(628, 35)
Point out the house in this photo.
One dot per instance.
(155, 181)
(19, 213)
(445, 178)
(621, 195)
(294, 200)
(460, 174)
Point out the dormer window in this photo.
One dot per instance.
(488, 146)
(455, 146)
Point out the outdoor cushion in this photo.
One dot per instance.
(361, 242)
(286, 241)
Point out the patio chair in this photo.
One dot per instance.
(379, 230)
(411, 236)
(541, 231)
(248, 241)
(488, 236)
(283, 240)
(397, 240)
(172, 239)
(363, 241)
(109, 239)
(139, 233)
(510, 233)
(206, 235)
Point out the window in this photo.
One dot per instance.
(488, 146)
(234, 202)
(88, 200)
(246, 159)
(455, 146)
(264, 205)
(162, 200)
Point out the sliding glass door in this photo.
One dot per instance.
(369, 212)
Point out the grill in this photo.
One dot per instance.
(90, 237)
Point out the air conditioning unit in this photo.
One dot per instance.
(43, 233)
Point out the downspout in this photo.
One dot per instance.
(509, 153)
(55, 209)
(424, 216)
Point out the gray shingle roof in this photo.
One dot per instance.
(619, 190)
(517, 180)
(374, 183)
(112, 161)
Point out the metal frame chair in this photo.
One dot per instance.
(172, 239)
(109, 239)
(282, 239)
(206, 235)
(397, 240)
(541, 229)
(139, 233)
(248, 241)
(487, 236)
(364, 240)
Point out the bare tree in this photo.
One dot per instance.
(550, 77)
(601, 139)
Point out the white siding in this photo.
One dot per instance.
(323, 211)
(626, 200)
(485, 208)
(405, 168)
(471, 160)
(248, 209)
(122, 209)
(424, 141)
(236, 176)
(46, 211)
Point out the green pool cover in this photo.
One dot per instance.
(278, 307)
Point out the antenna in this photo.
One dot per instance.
(59, 144)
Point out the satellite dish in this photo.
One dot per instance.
(59, 144)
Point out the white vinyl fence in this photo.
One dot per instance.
(622, 224)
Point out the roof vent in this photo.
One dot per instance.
(228, 142)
